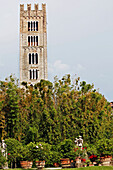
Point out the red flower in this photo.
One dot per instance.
(82, 148)
(84, 160)
(85, 148)
(8, 153)
(92, 156)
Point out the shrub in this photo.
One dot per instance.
(66, 149)
(105, 147)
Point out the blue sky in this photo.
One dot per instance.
(80, 40)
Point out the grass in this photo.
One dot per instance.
(92, 168)
(85, 168)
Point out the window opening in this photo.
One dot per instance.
(28, 40)
(36, 74)
(33, 58)
(33, 74)
(31, 25)
(30, 58)
(36, 40)
(36, 25)
(30, 74)
(36, 58)
(31, 40)
(28, 26)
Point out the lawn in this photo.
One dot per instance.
(87, 168)
(92, 168)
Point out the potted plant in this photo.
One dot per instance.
(26, 158)
(65, 162)
(40, 164)
(67, 152)
(40, 156)
(56, 159)
(105, 150)
(112, 162)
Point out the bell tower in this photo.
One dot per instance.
(33, 44)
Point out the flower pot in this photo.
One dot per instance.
(56, 164)
(111, 162)
(91, 164)
(65, 162)
(29, 164)
(23, 164)
(26, 164)
(105, 161)
(40, 164)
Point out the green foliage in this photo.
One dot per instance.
(105, 147)
(66, 148)
(14, 148)
(2, 160)
(52, 114)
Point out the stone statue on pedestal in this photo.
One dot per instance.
(3, 148)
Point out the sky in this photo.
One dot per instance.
(80, 40)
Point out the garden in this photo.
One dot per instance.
(40, 124)
(66, 154)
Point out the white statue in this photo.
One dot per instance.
(3, 147)
(79, 142)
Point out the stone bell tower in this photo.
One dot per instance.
(33, 44)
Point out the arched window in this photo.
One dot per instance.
(30, 72)
(28, 40)
(36, 74)
(33, 74)
(36, 58)
(28, 26)
(31, 40)
(32, 58)
(31, 26)
(29, 58)
(36, 40)
(36, 25)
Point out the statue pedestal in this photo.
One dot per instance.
(5, 166)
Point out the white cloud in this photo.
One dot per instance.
(60, 66)
(80, 67)
(57, 67)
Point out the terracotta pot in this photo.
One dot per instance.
(65, 162)
(29, 164)
(111, 162)
(23, 164)
(91, 165)
(56, 164)
(105, 161)
(40, 164)
(26, 164)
